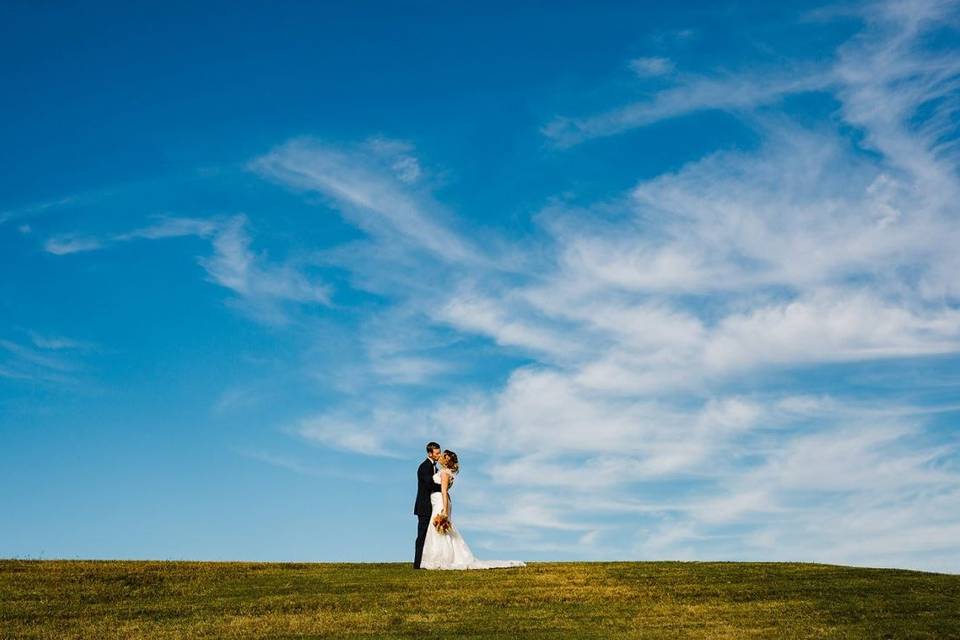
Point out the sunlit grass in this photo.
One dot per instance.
(92, 599)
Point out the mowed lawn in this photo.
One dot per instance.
(95, 599)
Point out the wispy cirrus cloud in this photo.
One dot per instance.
(860, 493)
(300, 467)
(262, 287)
(664, 330)
(43, 359)
(164, 227)
(374, 185)
(692, 93)
(654, 351)
(340, 432)
(67, 244)
(651, 66)
(59, 343)
(26, 211)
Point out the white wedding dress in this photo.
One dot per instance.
(449, 550)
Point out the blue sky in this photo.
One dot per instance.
(675, 281)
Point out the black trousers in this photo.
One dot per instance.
(423, 523)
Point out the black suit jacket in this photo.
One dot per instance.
(425, 486)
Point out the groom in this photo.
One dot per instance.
(422, 507)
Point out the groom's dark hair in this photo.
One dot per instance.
(431, 446)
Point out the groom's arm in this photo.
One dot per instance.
(425, 476)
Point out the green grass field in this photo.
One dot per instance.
(93, 599)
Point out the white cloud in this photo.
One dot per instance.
(648, 341)
(339, 432)
(409, 369)
(57, 343)
(658, 330)
(300, 467)
(65, 245)
(865, 493)
(165, 227)
(499, 320)
(831, 326)
(47, 360)
(259, 284)
(370, 185)
(651, 66)
(172, 227)
(691, 94)
(801, 211)
(34, 209)
(262, 286)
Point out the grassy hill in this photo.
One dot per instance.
(93, 599)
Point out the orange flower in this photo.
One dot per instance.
(441, 523)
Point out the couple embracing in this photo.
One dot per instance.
(439, 545)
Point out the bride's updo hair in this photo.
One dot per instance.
(450, 461)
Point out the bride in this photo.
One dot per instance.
(449, 550)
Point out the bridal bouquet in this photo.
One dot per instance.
(442, 523)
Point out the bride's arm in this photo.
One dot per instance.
(444, 486)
